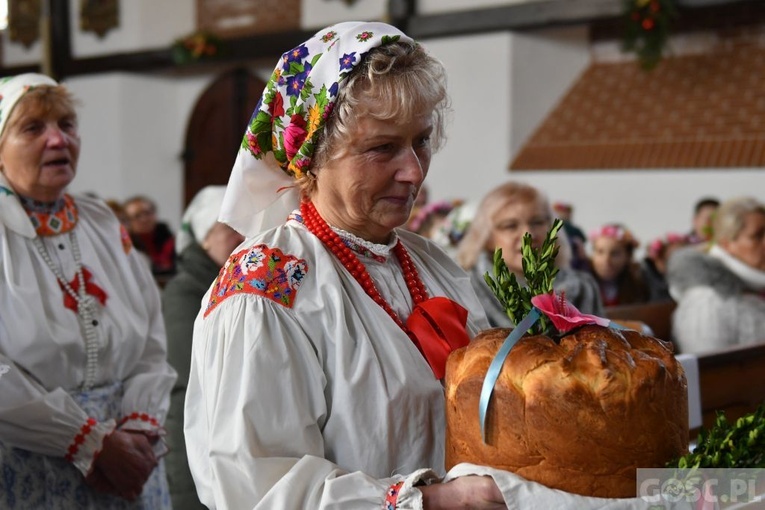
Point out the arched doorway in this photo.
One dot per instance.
(216, 128)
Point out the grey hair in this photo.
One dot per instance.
(729, 218)
(478, 235)
(396, 81)
(42, 100)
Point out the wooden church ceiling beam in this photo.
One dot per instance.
(604, 16)
(512, 17)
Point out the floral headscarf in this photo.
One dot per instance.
(13, 88)
(615, 231)
(281, 137)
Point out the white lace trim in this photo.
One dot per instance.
(381, 250)
(754, 278)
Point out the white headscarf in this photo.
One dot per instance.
(281, 137)
(14, 88)
(200, 216)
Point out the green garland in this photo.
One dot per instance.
(197, 46)
(647, 29)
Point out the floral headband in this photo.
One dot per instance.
(658, 245)
(614, 231)
(13, 88)
(426, 211)
(286, 124)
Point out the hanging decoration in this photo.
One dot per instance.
(99, 16)
(24, 21)
(243, 18)
(198, 46)
(647, 30)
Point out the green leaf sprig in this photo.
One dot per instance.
(729, 445)
(539, 271)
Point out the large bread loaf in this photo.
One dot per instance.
(580, 415)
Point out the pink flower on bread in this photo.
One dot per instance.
(563, 314)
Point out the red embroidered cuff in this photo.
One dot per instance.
(79, 439)
(139, 421)
(391, 496)
(88, 443)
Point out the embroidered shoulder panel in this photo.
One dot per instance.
(259, 270)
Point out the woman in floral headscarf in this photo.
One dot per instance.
(318, 354)
(613, 266)
(653, 267)
(84, 381)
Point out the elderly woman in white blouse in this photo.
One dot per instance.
(84, 382)
(721, 293)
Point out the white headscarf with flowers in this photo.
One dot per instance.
(280, 140)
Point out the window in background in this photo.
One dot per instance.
(3, 14)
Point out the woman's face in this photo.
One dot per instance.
(220, 241)
(702, 221)
(509, 226)
(749, 244)
(40, 152)
(609, 257)
(369, 189)
(142, 217)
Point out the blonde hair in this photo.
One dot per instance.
(729, 218)
(478, 235)
(395, 82)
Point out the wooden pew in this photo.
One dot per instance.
(732, 381)
(658, 316)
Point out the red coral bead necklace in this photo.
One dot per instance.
(316, 224)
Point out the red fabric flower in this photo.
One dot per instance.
(252, 143)
(276, 108)
(563, 314)
(90, 288)
(294, 136)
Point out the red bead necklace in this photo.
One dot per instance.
(316, 224)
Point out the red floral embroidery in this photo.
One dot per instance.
(140, 416)
(391, 497)
(90, 287)
(262, 271)
(79, 439)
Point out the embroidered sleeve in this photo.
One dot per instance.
(404, 494)
(147, 424)
(87, 444)
(391, 497)
(139, 421)
(259, 270)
